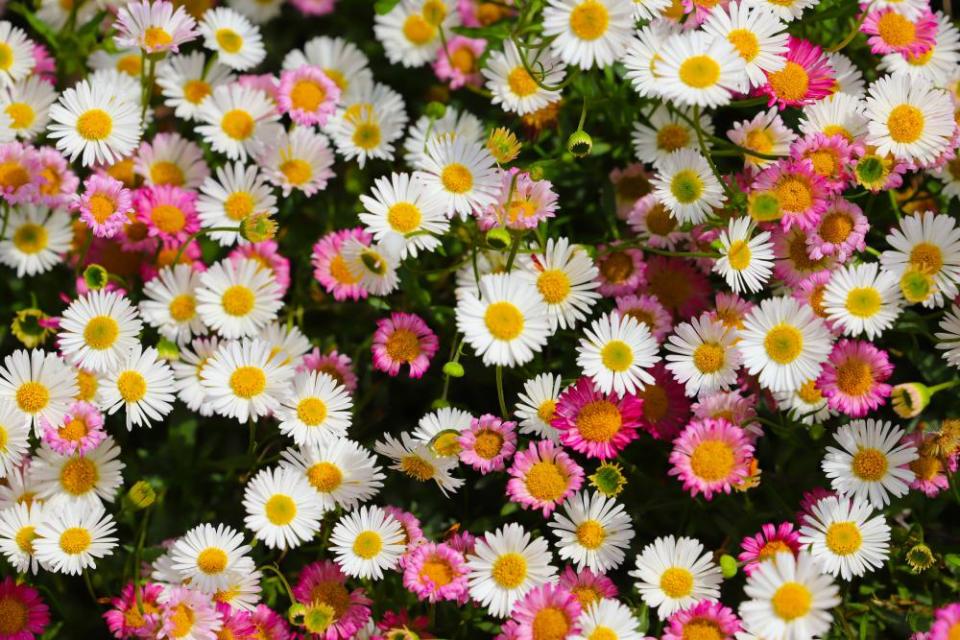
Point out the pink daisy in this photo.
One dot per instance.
(323, 583)
(891, 31)
(801, 192)
(412, 531)
(701, 10)
(807, 76)
(771, 540)
(931, 475)
(650, 220)
(649, 311)
(509, 630)
(403, 339)
(80, 431)
(168, 211)
(946, 623)
(26, 615)
(680, 287)
(488, 443)
(542, 477)
(186, 612)
(629, 185)
(621, 270)
(330, 269)
(237, 623)
(124, 618)
(666, 407)
(840, 232)
(135, 236)
(596, 424)
(270, 625)
(706, 619)
(337, 365)
(730, 309)
(20, 173)
(546, 607)
(480, 13)
(853, 379)
(588, 587)
(44, 65)
(809, 500)
(830, 157)
(315, 7)
(59, 184)
(267, 253)
(462, 541)
(399, 624)
(436, 572)
(523, 203)
(792, 261)
(736, 409)
(268, 83)
(308, 95)
(459, 64)
(711, 456)
(810, 291)
(104, 205)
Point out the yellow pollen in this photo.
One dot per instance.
(791, 601)
(546, 481)
(589, 20)
(855, 377)
(447, 444)
(709, 357)
(521, 82)
(509, 571)
(367, 135)
(825, 162)
(456, 178)
(238, 300)
(238, 205)
(554, 285)
(547, 410)
(75, 540)
(30, 238)
(463, 60)
(325, 477)
(617, 267)
(296, 171)
(86, 385)
(702, 629)
(794, 193)
(129, 65)
(21, 115)
(712, 460)
(102, 207)
(905, 123)
(783, 343)
(503, 320)
(403, 346)
(599, 421)
(686, 186)
(617, 356)
(156, 38)
(863, 302)
(659, 221)
(745, 42)
(790, 83)
(760, 140)
(238, 124)
(603, 633)
(919, 60)
(488, 444)
(25, 537)
(74, 431)
(417, 468)
(417, 30)
(676, 582)
(212, 560)
(843, 538)
(896, 30)
(809, 393)
(739, 254)
(195, 91)
(94, 124)
(164, 172)
(183, 308)
(168, 218)
(590, 534)
(672, 136)
(248, 382)
(927, 257)
(699, 72)
(403, 217)
(836, 226)
(132, 386)
(772, 548)
(13, 175)
(550, 623)
(311, 411)
(367, 544)
(869, 464)
(32, 396)
(280, 510)
(229, 40)
(438, 571)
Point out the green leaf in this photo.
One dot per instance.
(38, 25)
(385, 6)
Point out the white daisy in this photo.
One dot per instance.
(287, 342)
(404, 215)
(786, 10)
(871, 464)
(765, 133)
(74, 537)
(125, 60)
(643, 56)
(463, 172)
(537, 406)
(373, 266)
(96, 122)
(368, 126)
(243, 588)
(19, 487)
(685, 184)
(745, 263)
(699, 69)
(209, 556)
(418, 461)
(237, 119)
(410, 31)
(27, 103)
(171, 159)
(154, 27)
(703, 355)
(36, 239)
(230, 35)
(342, 473)
(523, 88)
(258, 11)
(674, 573)
(616, 352)
(862, 298)
(143, 385)
(440, 430)
(187, 372)
(170, 303)
(566, 278)
(14, 437)
(18, 530)
(847, 76)
(228, 199)
(301, 160)
(84, 480)
(56, 13)
(505, 565)
(588, 32)
(17, 60)
(316, 410)
(342, 61)
(366, 542)
(507, 323)
(938, 65)
(844, 539)
(593, 531)
(238, 298)
(453, 124)
(38, 384)
(784, 342)
(806, 403)
(666, 132)
(281, 507)
(757, 35)
(607, 619)
(909, 118)
(930, 243)
(840, 113)
(185, 82)
(244, 381)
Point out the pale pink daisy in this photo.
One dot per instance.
(330, 268)
(169, 212)
(308, 95)
(931, 473)
(830, 157)
(403, 339)
(436, 572)
(22, 175)
(522, 202)
(596, 424)
(188, 613)
(801, 192)
(853, 379)
(104, 205)
(154, 26)
(654, 223)
(547, 605)
(459, 64)
(80, 431)
(621, 270)
(586, 585)
(543, 476)
(792, 261)
(324, 584)
(711, 456)
(124, 618)
(705, 619)
(337, 365)
(891, 31)
(840, 231)
(488, 443)
(647, 310)
(59, 183)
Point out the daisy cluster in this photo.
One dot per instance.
(691, 269)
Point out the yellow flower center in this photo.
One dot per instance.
(307, 95)
(809, 393)
(488, 444)
(32, 396)
(79, 476)
(794, 193)
(238, 205)
(447, 443)
(311, 411)
(603, 633)
(617, 267)
(86, 385)
(102, 207)
(463, 60)
(759, 140)
(836, 226)
(547, 410)
(156, 37)
(671, 137)
(590, 534)
(183, 308)
(712, 460)
(870, 464)
(417, 30)
(212, 560)
(659, 221)
(702, 629)
(280, 510)
(456, 178)
(403, 217)
(168, 218)
(791, 601)
(13, 175)
(30, 238)
(554, 285)
(296, 171)
(238, 124)
(74, 430)
(772, 548)
(745, 42)
(503, 320)
(709, 357)
(165, 172)
(546, 481)
(75, 540)
(325, 477)
(368, 544)
(617, 356)
(248, 382)
(739, 254)
(25, 537)
(927, 257)
(895, 30)
(825, 162)
(598, 421)
(129, 64)
(94, 124)
(676, 582)
(403, 345)
(438, 571)
(521, 82)
(686, 186)
(238, 300)
(699, 72)
(855, 377)
(589, 20)
(417, 468)
(863, 302)
(783, 343)
(550, 623)
(905, 123)
(790, 83)
(509, 570)
(21, 115)
(229, 40)
(843, 538)
(195, 91)
(6, 56)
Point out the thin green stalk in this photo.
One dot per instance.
(706, 154)
(514, 246)
(197, 234)
(286, 585)
(503, 403)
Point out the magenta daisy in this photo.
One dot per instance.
(853, 379)
(21, 177)
(542, 476)
(23, 614)
(652, 221)
(522, 203)
(931, 473)
(125, 619)
(323, 585)
(665, 407)
(308, 95)
(270, 625)
(169, 212)
(337, 365)
(646, 310)
(772, 539)
(706, 619)
(403, 339)
(807, 76)
(315, 7)
(412, 531)
(59, 183)
(458, 65)
(586, 585)
(793, 263)
(679, 286)
(621, 270)
(598, 425)
(80, 431)
(891, 31)
(801, 192)
(237, 623)
(188, 613)
(946, 623)
(830, 157)
(436, 572)
(104, 205)
(267, 253)
(488, 443)
(547, 611)
(840, 231)
(330, 268)
(711, 456)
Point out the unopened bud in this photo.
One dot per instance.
(453, 369)
(435, 110)
(95, 277)
(728, 566)
(142, 495)
(498, 238)
(258, 228)
(580, 143)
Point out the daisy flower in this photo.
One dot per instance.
(766, 133)
(854, 378)
(522, 202)
(141, 383)
(457, 64)
(38, 385)
(208, 555)
(711, 456)
(286, 342)
(330, 266)
(36, 239)
(323, 585)
(650, 220)
(537, 403)
(704, 617)
(27, 614)
(946, 620)
(235, 41)
(185, 81)
(593, 531)
(340, 60)
(862, 299)
(784, 343)
(453, 124)
(281, 508)
(245, 381)
(168, 212)
(14, 437)
(237, 298)
(505, 565)
(597, 424)
(92, 121)
(27, 103)
(170, 159)
(368, 126)
(806, 403)
(104, 205)
(343, 473)
(366, 542)
(647, 310)
(805, 78)
(937, 64)
(80, 431)
(674, 573)
(840, 231)
(18, 526)
(236, 119)
(686, 185)
(403, 215)
(699, 70)
(607, 617)
(745, 263)
(507, 323)
(300, 160)
(441, 430)
(22, 177)
(800, 191)
(616, 352)
(789, 598)
(756, 33)
(410, 31)
(462, 172)
(18, 51)
(908, 118)
(488, 443)
(872, 464)
(170, 304)
(316, 410)
(667, 132)
(546, 610)
(154, 26)
(890, 31)
(436, 572)
(188, 613)
(418, 461)
(543, 476)
(588, 33)
(372, 265)
(844, 539)
(930, 244)
(73, 537)
(514, 87)
(767, 544)
(793, 263)
(236, 193)
(308, 95)
(643, 56)
(703, 355)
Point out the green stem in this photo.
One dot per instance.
(706, 153)
(534, 74)
(943, 385)
(500, 396)
(286, 585)
(197, 234)
(141, 539)
(148, 68)
(514, 246)
(851, 35)
(86, 581)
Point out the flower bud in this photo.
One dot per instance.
(498, 238)
(579, 143)
(141, 495)
(910, 399)
(453, 369)
(728, 566)
(258, 227)
(29, 328)
(435, 110)
(920, 558)
(95, 277)
(608, 479)
(168, 349)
